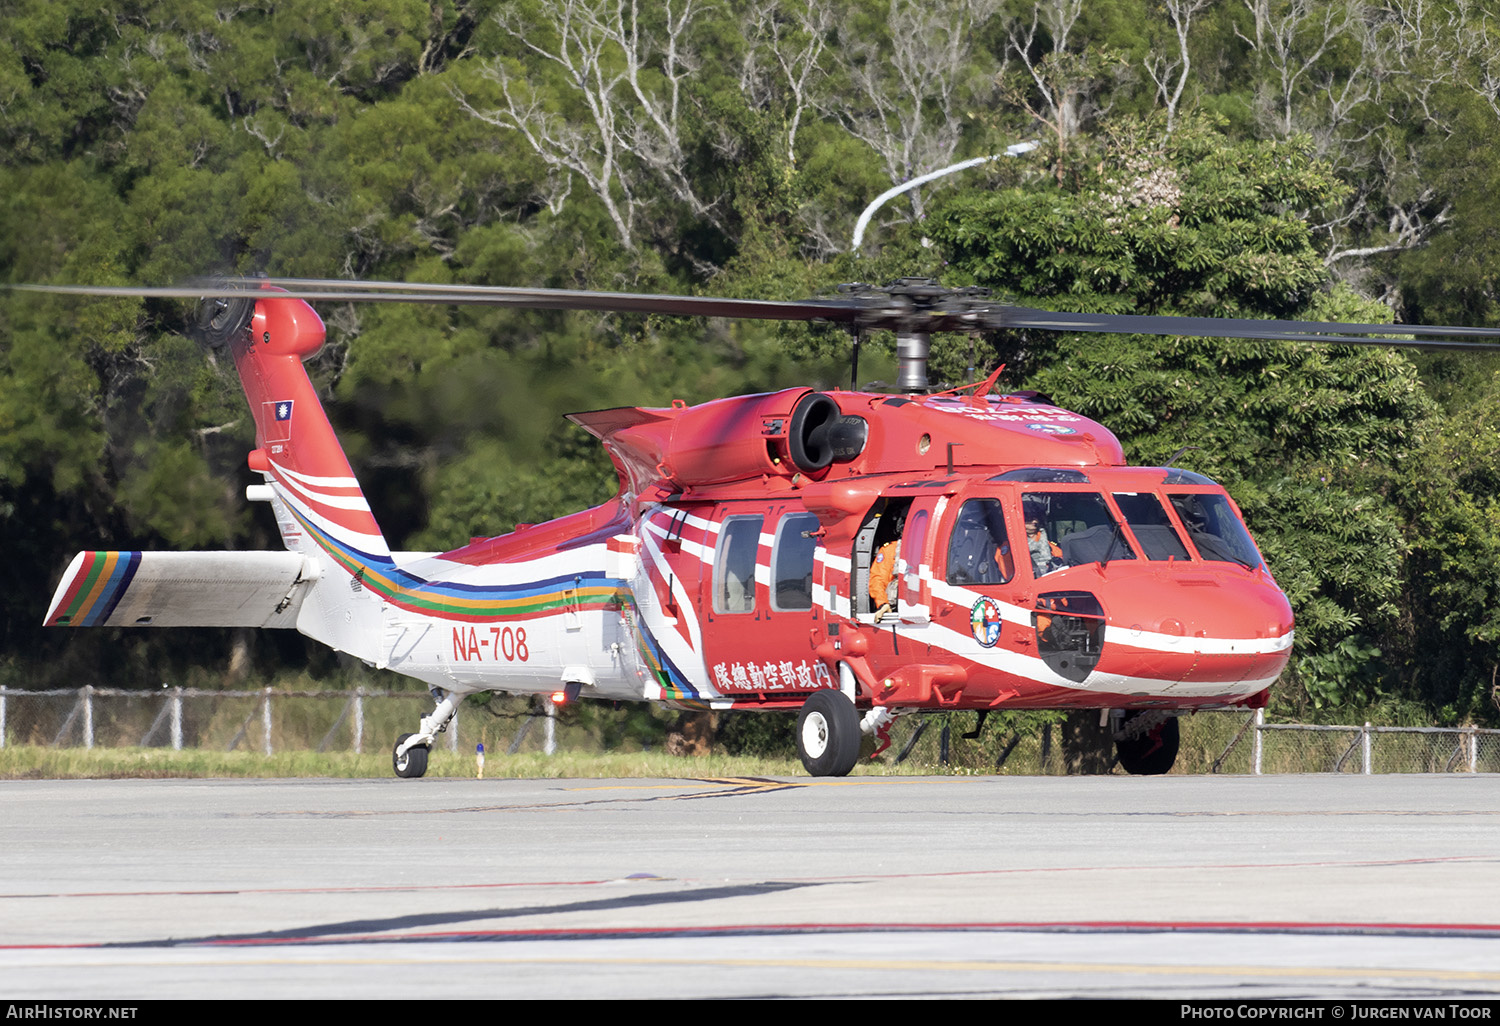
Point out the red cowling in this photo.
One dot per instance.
(726, 440)
(732, 439)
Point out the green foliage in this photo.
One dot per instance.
(1451, 501)
(1310, 439)
(759, 735)
(1182, 224)
(152, 140)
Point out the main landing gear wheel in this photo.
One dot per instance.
(411, 764)
(828, 734)
(1153, 751)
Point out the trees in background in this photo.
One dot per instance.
(1259, 157)
(1311, 440)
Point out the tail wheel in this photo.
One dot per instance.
(828, 734)
(1152, 752)
(412, 762)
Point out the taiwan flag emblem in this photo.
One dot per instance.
(284, 410)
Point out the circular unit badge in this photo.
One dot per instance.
(984, 620)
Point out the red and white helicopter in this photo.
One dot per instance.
(1016, 561)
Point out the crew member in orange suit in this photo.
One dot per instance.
(883, 573)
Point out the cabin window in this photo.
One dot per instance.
(1215, 530)
(979, 549)
(792, 562)
(1148, 521)
(734, 565)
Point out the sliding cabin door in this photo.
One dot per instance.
(757, 604)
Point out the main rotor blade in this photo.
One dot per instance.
(329, 290)
(567, 299)
(913, 307)
(1335, 332)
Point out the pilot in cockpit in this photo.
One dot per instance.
(1046, 555)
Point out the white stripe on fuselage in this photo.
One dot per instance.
(963, 644)
(1153, 642)
(372, 544)
(687, 654)
(312, 481)
(1150, 641)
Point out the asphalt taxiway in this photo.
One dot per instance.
(1170, 887)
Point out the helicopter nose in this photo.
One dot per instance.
(1207, 634)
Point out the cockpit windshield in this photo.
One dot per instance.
(1214, 529)
(1068, 526)
(1148, 522)
(1069, 529)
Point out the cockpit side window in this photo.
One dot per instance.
(1214, 529)
(1148, 522)
(979, 549)
(1069, 529)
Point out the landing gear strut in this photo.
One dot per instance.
(409, 757)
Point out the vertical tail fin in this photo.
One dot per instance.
(318, 503)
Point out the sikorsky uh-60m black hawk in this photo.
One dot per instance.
(848, 555)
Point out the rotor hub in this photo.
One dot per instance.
(914, 308)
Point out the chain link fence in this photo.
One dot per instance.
(268, 720)
(1212, 742)
(368, 720)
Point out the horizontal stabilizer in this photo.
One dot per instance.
(182, 589)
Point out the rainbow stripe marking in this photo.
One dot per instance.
(675, 685)
(99, 581)
(591, 591)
